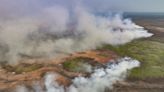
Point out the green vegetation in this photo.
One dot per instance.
(77, 64)
(18, 69)
(149, 53)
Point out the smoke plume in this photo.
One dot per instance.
(36, 28)
(100, 80)
(48, 28)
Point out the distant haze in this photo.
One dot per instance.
(94, 5)
(128, 5)
(116, 5)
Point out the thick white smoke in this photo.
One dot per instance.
(57, 30)
(105, 78)
(100, 80)
(34, 29)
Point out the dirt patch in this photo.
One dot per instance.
(30, 73)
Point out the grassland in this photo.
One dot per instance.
(149, 53)
(77, 64)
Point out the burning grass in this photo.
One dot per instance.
(150, 53)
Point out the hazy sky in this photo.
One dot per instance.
(129, 5)
(97, 5)
(120, 5)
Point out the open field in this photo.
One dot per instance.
(149, 77)
(149, 51)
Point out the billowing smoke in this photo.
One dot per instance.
(22, 89)
(99, 81)
(33, 28)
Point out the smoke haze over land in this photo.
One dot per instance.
(48, 28)
(102, 79)
(36, 29)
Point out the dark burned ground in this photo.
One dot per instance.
(147, 78)
(151, 80)
(155, 26)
